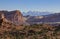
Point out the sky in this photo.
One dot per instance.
(30, 5)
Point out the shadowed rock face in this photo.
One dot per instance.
(14, 16)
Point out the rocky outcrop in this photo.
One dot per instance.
(15, 17)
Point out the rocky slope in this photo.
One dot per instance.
(40, 31)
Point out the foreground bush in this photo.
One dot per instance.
(36, 31)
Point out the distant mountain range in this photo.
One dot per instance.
(35, 13)
(50, 18)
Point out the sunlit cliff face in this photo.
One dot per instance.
(1, 16)
(18, 17)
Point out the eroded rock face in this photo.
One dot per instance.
(14, 16)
